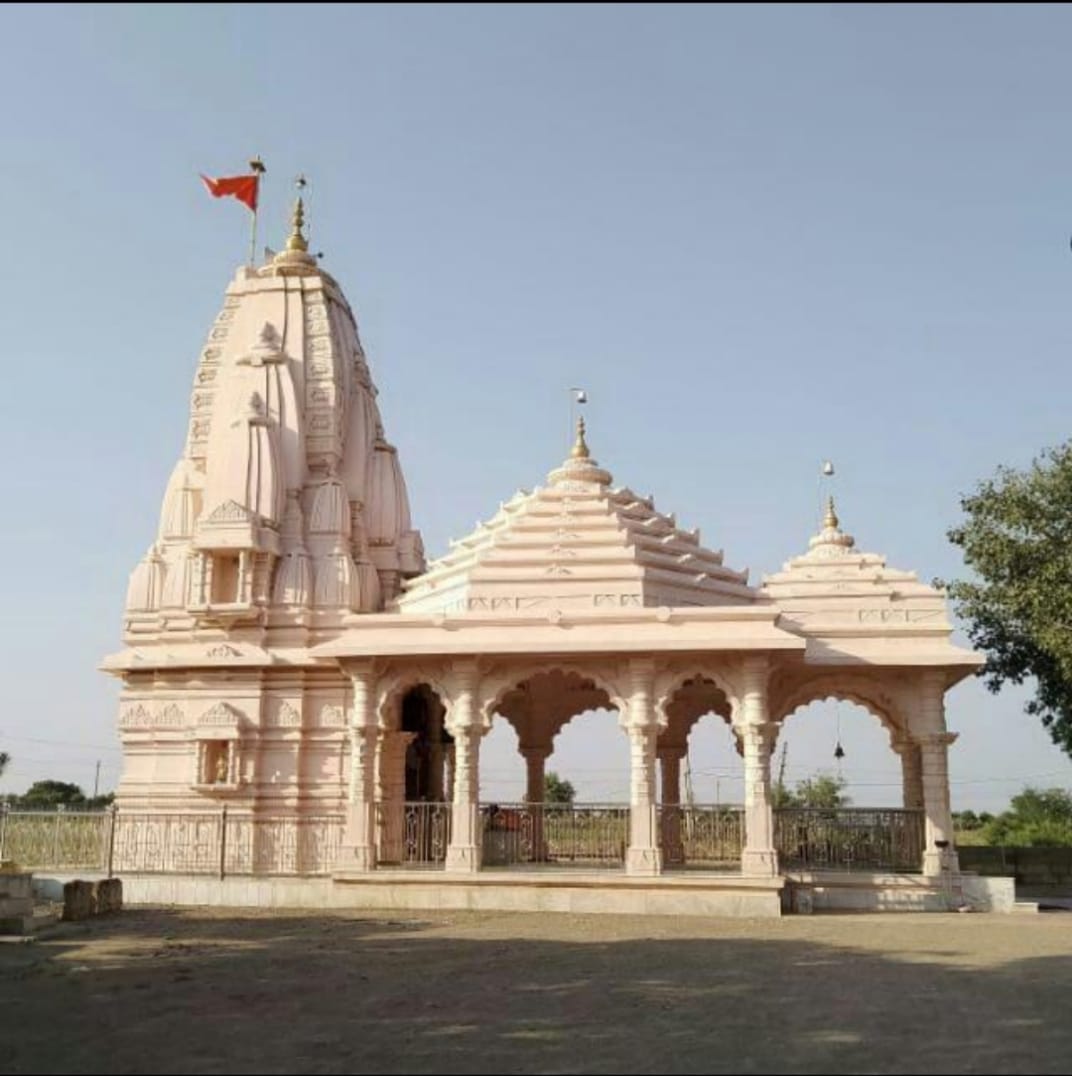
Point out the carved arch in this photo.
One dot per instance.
(864, 691)
(395, 684)
(669, 681)
(495, 686)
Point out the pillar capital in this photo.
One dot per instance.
(465, 713)
(937, 739)
(902, 742)
(363, 680)
(641, 713)
(756, 671)
(466, 675)
(675, 751)
(758, 733)
(535, 752)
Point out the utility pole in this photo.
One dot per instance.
(96, 780)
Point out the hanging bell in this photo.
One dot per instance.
(839, 751)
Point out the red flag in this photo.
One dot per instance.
(244, 188)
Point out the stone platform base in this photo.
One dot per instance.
(867, 891)
(536, 891)
(678, 893)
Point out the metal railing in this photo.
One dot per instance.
(577, 834)
(225, 843)
(849, 838)
(60, 839)
(187, 842)
(701, 835)
(412, 834)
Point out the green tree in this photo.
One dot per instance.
(5, 758)
(46, 794)
(1035, 817)
(822, 790)
(1017, 539)
(555, 790)
(782, 796)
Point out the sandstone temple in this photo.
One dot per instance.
(304, 695)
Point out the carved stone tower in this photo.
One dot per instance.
(286, 516)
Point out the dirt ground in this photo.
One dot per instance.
(204, 991)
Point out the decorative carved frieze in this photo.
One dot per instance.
(222, 715)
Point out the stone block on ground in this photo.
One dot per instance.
(77, 901)
(107, 896)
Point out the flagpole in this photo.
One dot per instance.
(257, 166)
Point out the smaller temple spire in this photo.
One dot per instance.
(579, 466)
(295, 257)
(297, 241)
(830, 520)
(580, 446)
(831, 540)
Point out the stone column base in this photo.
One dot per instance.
(643, 861)
(759, 862)
(463, 858)
(940, 861)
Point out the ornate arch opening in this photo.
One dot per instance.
(863, 691)
(560, 690)
(849, 743)
(537, 703)
(416, 748)
(684, 705)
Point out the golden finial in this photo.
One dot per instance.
(297, 240)
(830, 520)
(580, 447)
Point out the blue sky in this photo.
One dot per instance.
(758, 236)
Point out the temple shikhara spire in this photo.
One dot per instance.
(289, 655)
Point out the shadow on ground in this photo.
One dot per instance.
(227, 992)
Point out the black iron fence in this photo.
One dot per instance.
(226, 843)
(413, 834)
(701, 835)
(848, 838)
(188, 842)
(563, 834)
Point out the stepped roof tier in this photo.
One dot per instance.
(576, 544)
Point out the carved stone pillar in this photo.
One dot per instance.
(463, 854)
(392, 806)
(939, 853)
(535, 766)
(535, 794)
(358, 849)
(757, 734)
(643, 855)
(911, 773)
(435, 755)
(670, 762)
(448, 773)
